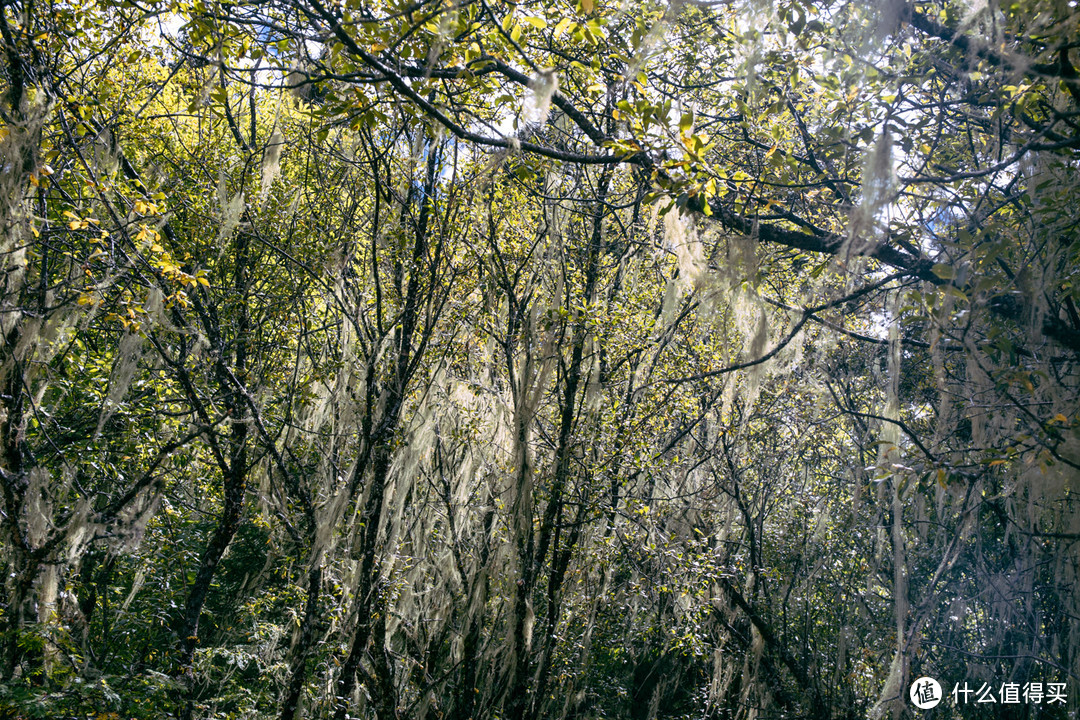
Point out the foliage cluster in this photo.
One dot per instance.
(473, 359)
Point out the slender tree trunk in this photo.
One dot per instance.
(298, 667)
(15, 475)
(234, 473)
(228, 524)
(369, 598)
(525, 704)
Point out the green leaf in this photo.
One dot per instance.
(945, 272)
(686, 122)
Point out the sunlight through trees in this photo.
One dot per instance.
(525, 360)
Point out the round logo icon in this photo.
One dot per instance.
(925, 693)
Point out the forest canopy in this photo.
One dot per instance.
(543, 359)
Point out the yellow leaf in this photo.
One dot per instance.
(587, 6)
(1060, 418)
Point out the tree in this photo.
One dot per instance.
(536, 359)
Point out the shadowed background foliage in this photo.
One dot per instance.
(538, 360)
